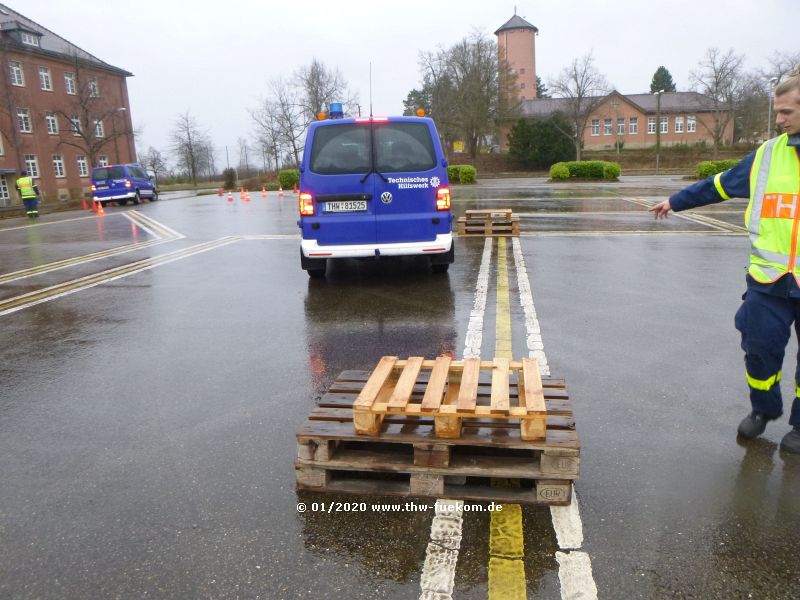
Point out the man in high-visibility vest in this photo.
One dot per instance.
(770, 177)
(29, 193)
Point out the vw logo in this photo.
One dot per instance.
(386, 197)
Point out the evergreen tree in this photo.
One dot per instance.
(541, 89)
(540, 143)
(662, 80)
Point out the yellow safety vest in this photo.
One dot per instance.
(773, 214)
(25, 185)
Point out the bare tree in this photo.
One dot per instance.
(751, 109)
(287, 108)
(154, 162)
(189, 145)
(319, 86)
(781, 64)
(719, 77)
(90, 115)
(584, 87)
(268, 131)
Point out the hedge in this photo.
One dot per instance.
(461, 173)
(707, 168)
(288, 178)
(585, 169)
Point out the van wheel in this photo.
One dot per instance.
(440, 268)
(154, 197)
(314, 266)
(137, 198)
(316, 273)
(122, 201)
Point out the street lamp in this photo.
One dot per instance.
(658, 127)
(770, 94)
(615, 106)
(114, 130)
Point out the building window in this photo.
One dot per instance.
(83, 167)
(32, 165)
(102, 161)
(30, 39)
(69, 83)
(678, 124)
(633, 127)
(52, 123)
(522, 71)
(45, 81)
(651, 124)
(606, 126)
(620, 126)
(24, 118)
(595, 126)
(98, 129)
(664, 124)
(691, 124)
(58, 165)
(76, 125)
(5, 196)
(17, 74)
(522, 86)
(94, 91)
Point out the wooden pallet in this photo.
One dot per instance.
(451, 393)
(408, 458)
(489, 222)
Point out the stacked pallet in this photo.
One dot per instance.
(489, 222)
(443, 428)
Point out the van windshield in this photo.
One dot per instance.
(345, 149)
(109, 173)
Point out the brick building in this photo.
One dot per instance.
(626, 119)
(62, 111)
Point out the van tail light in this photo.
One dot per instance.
(443, 199)
(306, 205)
(128, 183)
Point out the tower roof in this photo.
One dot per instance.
(516, 22)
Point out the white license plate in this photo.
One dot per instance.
(102, 187)
(346, 206)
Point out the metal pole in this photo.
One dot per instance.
(227, 160)
(658, 128)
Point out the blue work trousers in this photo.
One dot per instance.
(765, 322)
(31, 206)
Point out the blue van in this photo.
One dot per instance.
(120, 183)
(371, 187)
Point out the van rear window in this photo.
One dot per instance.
(109, 173)
(345, 149)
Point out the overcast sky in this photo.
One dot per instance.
(215, 59)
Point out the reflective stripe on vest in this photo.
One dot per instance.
(25, 185)
(773, 214)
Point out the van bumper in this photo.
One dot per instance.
(126, 195)
(443, 243)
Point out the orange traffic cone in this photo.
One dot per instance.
(230, 196)
(294, 188)
(280, 191)
(219, 192)
(85, 206)
(94, 205)
(100, 211)
(263, 191)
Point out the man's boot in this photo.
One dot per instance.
(791, 441)
(754, 424)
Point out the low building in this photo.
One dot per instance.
(62, 111)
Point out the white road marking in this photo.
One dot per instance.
(155, 224)
(42, 224)
(575, 568)
(140, 224)
(439, 571)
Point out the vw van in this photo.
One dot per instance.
(372, 187)
(120, 183)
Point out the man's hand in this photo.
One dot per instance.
(661, 210)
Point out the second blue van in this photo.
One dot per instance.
(371, 187)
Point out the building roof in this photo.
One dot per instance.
(671, 102)
(516, 22)
(49, 43)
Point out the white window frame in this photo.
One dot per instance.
(2, 146)
(69, 83)
(83, 167)
(679, 124)
(664, 124)
(94, 89)
(24, 120)
(5, 192)
(30, 39)
(52, 123)
(45, 80)
(620, 125)
(102, 161)
(99, 130)
(17, 73)
(58, 166)
(595, 126)
(608, 126)
(651, 125)
(633, 125)
(691, 124)
(75, 125)
(32, 165)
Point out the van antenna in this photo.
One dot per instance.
(370, 89)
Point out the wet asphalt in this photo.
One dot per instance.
(147, 423)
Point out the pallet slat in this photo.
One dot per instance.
(468, 394)
(434, 393)
(500, 398)
(405, 384)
